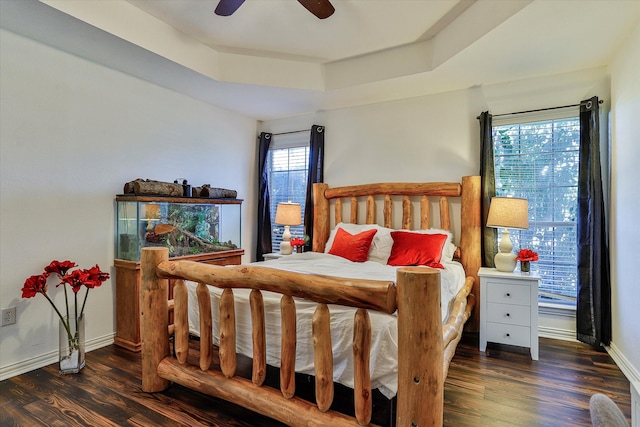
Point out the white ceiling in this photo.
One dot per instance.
(272, 58)
(285, 29)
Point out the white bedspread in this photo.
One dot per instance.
(384, 363)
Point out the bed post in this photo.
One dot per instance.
(321, 217)
(470, 241)
(154, 318)
(420, 348)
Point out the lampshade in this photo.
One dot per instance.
(508, 212)
(288, 214)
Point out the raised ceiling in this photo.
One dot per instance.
(272, 58)
(284, 29)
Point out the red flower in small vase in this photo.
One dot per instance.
(297, 241)
(527, 255)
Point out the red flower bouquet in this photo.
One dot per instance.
(297, 241)
(527, 255)
(77, 279)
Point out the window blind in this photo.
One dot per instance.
(539, 161)
(288, 170)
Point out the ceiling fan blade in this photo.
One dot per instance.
(320, 8)
(227, 7)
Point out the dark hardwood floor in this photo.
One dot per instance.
(503, 387)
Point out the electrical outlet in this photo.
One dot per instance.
(8, 316)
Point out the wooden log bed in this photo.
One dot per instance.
(426, 344)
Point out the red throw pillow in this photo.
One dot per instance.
(354, 247)
(416, 249)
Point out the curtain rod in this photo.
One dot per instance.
(540, 109)
(293, 131)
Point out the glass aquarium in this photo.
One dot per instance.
(185, 226)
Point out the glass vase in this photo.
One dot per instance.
(525, 266)
(71, 348)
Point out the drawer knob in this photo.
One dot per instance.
(508, 335)
(508, 315)
(508, 294)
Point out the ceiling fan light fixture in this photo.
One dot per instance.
(228, 7)
(320, 8)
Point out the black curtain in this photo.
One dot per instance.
(316, 174)
(593, 310)
(489, 243)
(264, 215)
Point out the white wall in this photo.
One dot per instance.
(625, 228)
(430, 138)
(71, 134)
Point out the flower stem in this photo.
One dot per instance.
(66, 301)
(75, 296)
(66, 326)
(86, 294)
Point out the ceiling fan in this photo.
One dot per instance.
(320, 8)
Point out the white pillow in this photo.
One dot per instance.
(382, 243)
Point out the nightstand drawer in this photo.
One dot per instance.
(509, 334)
(508, 293)
(508, 313)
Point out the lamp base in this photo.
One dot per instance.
(285, 245)
(286, 248)
(505, 261)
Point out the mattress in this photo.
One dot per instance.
(384, 352)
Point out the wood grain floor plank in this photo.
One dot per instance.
(502, 387)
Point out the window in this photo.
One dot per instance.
(538, 160)
(287, 166)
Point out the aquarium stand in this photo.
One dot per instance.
(128, 293)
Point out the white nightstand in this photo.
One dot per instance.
(274, 255)
(509, 309)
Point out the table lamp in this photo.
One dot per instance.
(287, 214)
(507, 212)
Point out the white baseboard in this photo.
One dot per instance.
(557, 322)
(48, 358)
(623, 363)
(633, 375)
(557, 334)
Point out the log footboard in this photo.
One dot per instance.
(420, 340)
(265, 400)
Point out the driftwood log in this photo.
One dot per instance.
(128, 187)
(196, 191)
(218, 193)
(211, 247)
(159, 188)
(209, 192)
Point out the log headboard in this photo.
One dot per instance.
(467, 191)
